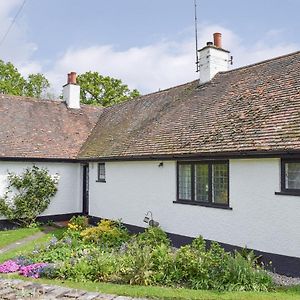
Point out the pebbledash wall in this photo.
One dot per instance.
(259, 219)
(68, 199)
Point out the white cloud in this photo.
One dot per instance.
(164, 64)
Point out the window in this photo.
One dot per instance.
(203, 183)
(290, 176)
(101, 172)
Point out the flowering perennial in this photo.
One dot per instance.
(9, 266)
(31, 270)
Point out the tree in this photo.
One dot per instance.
(36, 85)
(13, 83)
(103, 90)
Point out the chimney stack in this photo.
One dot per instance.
(71, 92)
(213, 59)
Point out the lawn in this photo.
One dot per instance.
(155, 292)
(31, 245)
(10, 236)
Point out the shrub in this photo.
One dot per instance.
(28, 195)
(153, 236)
(107, 233)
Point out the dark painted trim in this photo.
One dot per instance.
(99, 179)
(205, 204)
(32, 159)
(193, 201)
(284, 190)
(5, 224)
(184, 156)
(288, 193)
(201, 156)
(281, 264)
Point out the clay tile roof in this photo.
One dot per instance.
(31, 128)
(254, 108)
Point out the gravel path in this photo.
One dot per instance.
(19, 290)
(284, 280)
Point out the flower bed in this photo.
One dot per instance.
(107, 253)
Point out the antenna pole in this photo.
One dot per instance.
(196, 35)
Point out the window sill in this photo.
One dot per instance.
(288, 193)
(202, 204)
(101, 181)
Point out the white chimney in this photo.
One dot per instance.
(213, 59)
(71, 92)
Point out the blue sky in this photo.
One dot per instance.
(148, 44)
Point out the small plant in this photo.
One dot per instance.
(78, 223)
(28, 195)
(107, 233)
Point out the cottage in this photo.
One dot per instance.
(218, 158)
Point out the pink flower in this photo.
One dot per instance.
(32, 270)
(9, 266)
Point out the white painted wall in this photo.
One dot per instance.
(211, 61)
(259, 219)
(69, 194)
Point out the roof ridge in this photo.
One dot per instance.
(261, 62)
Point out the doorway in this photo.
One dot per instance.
(85, 189)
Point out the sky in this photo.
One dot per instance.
(150, 45)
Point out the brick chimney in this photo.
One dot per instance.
(213, 59)
(71, 92)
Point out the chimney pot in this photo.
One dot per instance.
(209, 43)
(72, 78)
(218, 39)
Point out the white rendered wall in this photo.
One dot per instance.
(69, 194)
(71, 95)
(259, 219)
(211, 61)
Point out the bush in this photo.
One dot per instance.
(153, 236)
(28, 195)
(107, 234)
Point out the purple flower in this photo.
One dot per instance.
(32, 270)
(9, 266)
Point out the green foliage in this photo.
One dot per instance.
(13, 83)
(28, 195)
(78, 223)
(153, 236)
(107, 233)
(36, 85)
(103, 90)
(148, 259)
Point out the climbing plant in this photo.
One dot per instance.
(28, 195)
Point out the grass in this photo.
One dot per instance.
(153, 292)
(31, 245)
(10, 236)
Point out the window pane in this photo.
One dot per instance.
(292, 178)
(201, 183)
(220, 183)
(185, 182)
(101, 171)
